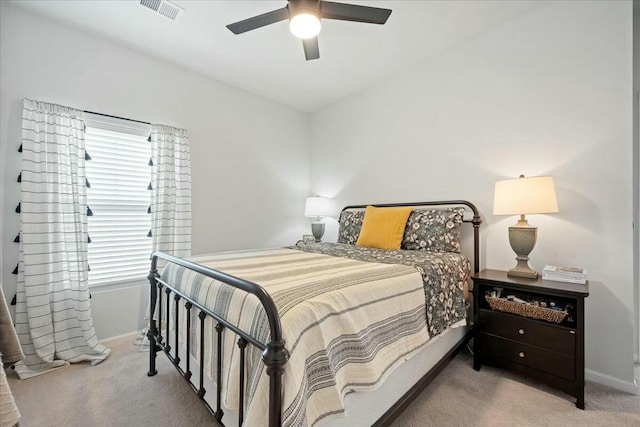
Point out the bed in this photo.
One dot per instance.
(322, 333)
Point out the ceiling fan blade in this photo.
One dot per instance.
(311, 49)
(352, 12)
(259, 21)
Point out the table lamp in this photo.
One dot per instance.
(317, 207)
(522, 196)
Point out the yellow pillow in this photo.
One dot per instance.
(383, 228)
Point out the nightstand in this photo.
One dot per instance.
(515, 337)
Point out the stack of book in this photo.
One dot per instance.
(564, 274)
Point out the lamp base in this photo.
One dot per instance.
(317, 229)
(522, 238)
(523, 270)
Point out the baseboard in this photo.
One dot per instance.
(609, 381)
(128, 334)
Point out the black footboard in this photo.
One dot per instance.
(274, 353)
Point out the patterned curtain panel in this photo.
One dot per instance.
(53, 316)
(171, 191)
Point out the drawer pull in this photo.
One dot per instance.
(521, 331)
(521, 354)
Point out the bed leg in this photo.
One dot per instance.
(275, 357)
(153, 349)
(153, 330)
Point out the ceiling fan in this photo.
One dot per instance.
(304, 19)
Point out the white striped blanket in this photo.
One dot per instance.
(347, 324)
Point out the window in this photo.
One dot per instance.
(118, 175)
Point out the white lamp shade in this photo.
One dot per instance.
(305, 25)
(317, 206)
(521, 196)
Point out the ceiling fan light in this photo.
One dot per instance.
(305, 25)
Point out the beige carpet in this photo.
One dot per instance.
(118, 393)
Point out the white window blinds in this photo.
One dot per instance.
(118, 176)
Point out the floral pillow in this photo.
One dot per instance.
(350, 225)
(435, 230)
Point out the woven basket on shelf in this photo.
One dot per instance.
(535, 312)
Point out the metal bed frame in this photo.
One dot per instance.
(274, 352)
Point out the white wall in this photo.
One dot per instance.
(249, 156)
(547, 93)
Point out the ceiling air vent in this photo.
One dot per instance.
(163, 7)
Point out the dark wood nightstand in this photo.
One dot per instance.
(550, 352)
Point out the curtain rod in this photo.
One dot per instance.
(117, 117)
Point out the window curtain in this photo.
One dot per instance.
(170, 191)
(53, 315)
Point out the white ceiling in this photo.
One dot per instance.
(270, 61)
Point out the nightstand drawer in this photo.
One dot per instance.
(521, 329)
(534, 357)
